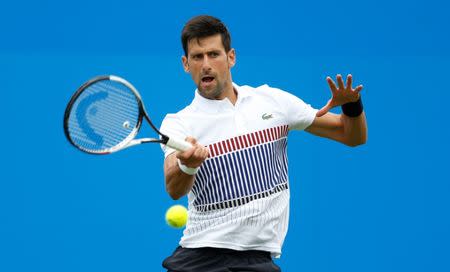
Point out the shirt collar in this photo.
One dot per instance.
(214, 106)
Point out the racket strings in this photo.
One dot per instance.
(104, 116)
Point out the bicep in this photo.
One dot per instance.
(328, 126)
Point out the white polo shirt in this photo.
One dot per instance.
(240, 197)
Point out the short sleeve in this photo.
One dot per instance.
(172, 126)
(299, 114)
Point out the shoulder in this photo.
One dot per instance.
(265, 91)
(186, 111)
(184, 118)
(269, 94)
(262, 90)
(173, 119)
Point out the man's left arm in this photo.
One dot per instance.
(350, 127)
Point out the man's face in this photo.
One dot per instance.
(209, 66)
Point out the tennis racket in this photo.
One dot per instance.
(104, 116)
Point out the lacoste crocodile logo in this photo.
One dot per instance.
(266, 116)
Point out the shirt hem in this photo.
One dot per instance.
(274, 251)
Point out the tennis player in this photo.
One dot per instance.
(236, 173)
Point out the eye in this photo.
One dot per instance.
(196, 57)
(213, 54)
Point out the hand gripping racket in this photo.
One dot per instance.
(105, 115)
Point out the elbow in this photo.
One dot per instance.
(175, 195)
(356, 143)
(173, 192)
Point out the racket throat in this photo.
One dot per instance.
(164, 138)
(144, 141)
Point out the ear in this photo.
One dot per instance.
(231, 55)
(184, 60)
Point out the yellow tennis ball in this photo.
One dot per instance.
(176, 216)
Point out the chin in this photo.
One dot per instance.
(213, 93)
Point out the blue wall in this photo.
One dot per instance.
(383, 206)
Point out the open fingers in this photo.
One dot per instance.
(358, 88)
(349, 82)
(332, 84)
(340, 81)
(324, 109)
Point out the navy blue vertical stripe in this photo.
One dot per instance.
(250, 174)
(232, 179)
(213, 187)
(266, 153)
(224, 181)
(244, 174)
(240, 174)
(265, 176)
(199, 180)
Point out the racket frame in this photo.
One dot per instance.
(129, 140)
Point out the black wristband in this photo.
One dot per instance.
(353, 109)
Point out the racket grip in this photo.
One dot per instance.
(180, 145)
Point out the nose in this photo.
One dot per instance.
(206, 66)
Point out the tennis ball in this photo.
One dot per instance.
(176, 216)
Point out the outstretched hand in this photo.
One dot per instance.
(341, 94)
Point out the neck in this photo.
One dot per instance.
(229, 93)
(232, 95)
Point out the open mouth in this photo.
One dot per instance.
(207, 79)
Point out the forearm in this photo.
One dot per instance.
(354, 129)
(178, 183)
(351, 131)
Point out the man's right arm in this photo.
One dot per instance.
(178, 183)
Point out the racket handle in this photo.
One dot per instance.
(180, 145)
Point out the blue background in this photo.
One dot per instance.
(383, 206)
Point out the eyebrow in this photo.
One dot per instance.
(207, 52)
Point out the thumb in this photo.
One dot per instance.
(324, 109)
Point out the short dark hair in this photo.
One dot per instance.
(204, 26)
